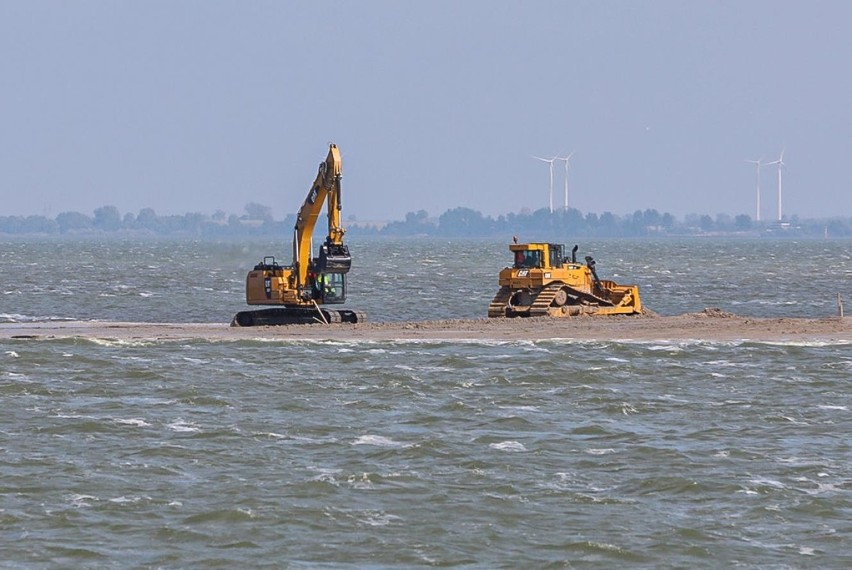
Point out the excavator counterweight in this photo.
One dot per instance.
(300, 290)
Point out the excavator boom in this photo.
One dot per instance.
(334, 256)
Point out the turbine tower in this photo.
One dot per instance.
(780, 163)
(567, 160)
(550, 161)
(759, 164)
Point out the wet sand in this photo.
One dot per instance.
(709, 325)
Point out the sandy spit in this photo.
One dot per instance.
(709, 325)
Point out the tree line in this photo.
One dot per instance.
(456, 222)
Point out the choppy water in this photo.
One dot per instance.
(404, 454)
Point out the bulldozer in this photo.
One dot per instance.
(300, 290)
(544, 282)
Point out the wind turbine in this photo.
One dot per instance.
(550, 161)
(759, 164)
(567, 159)
(780, 163)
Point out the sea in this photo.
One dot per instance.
(474, 453)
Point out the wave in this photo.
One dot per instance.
(19, 318)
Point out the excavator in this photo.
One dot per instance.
(300, 290)
(544, 282)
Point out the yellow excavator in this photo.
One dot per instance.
(544, 282)
(299, 290)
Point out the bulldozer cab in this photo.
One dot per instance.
(527, 259)
(538, 255)
(557, 254)
(329, 288)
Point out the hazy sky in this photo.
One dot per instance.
(208, 105)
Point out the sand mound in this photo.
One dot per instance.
(712, 324)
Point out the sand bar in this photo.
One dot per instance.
(710, 325)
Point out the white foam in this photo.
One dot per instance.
(520, 408)
(377, 440)
(19, 318)
(272, 434)
(113, 342)
(80, 501)
(182, 426)
(379, 519)
(123, 499)
(138, 422)
(809, 343)
(763, 481)
(600, 451)
(508, 446)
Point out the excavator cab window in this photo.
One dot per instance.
(332, 288)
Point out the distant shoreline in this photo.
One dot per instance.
(456, 222)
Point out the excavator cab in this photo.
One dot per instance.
(330, 288)
(329, 280)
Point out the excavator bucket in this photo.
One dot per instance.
(333, 259)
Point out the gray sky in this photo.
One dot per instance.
(206, 105)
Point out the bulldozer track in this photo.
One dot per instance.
(544, 299)
(497, 308)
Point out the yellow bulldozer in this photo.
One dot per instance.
(544, 282)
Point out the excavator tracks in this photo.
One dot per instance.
(296, 316)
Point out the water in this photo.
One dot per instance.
(485, 454)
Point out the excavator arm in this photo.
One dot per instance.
(333, 256)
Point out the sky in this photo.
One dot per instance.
(199, 106)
